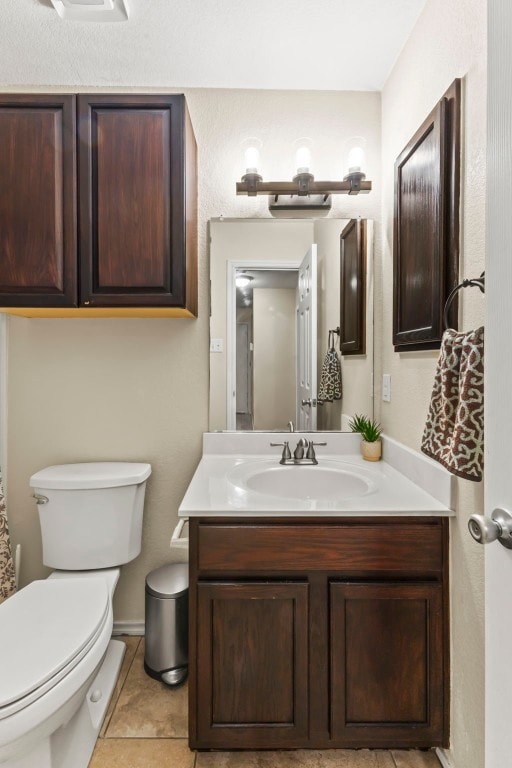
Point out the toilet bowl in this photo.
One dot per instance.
(58, 663)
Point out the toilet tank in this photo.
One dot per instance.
(90, 514)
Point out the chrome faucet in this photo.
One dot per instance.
(290, 426)
(298, 455)
(299, 450)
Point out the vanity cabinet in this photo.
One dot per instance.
(318, 633)
(99, 207)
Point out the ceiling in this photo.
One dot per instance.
(264, 278)
(277, 44)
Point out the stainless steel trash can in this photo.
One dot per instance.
(166, 649)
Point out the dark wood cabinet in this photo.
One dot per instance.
(38, 230)
(387, 647)
(353, 288)
(318, 633)
(252, 663)
(426, 227)
(136, 208)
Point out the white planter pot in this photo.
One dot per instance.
(371, 451)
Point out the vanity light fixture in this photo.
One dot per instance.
(92, 10)
(303, 192)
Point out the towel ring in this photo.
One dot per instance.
(476, 282)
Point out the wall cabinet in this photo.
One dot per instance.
(98, 205)
(318, 634)
(426, 227)
(353, 248)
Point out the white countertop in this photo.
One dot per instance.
(405, 483)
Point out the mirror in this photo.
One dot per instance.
(267, 349)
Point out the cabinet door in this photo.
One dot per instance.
(353, 288)
(387, 664)
(137, 201)
(37, 201)
(252, 665)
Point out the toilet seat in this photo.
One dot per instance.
(48, 627)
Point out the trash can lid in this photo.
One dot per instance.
(169, 580)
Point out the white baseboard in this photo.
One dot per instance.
(128, 628)
(444, 757)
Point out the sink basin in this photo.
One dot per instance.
(336, 480)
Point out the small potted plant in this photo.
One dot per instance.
(370, 431)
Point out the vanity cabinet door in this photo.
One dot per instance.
(37, 201)
(387, 664)
(138, 239)
(252, 665)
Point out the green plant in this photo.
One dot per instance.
(369, 429)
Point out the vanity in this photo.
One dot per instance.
(319, 613)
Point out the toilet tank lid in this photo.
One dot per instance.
(99, 474)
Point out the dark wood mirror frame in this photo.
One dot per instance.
(426, 227)
(353, 288)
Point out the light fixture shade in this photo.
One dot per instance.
(356, 157)
(92, 10)
(356, 160)
(106, 4)
(303, 160)
(252, 159)
(302, 149)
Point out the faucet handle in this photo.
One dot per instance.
(311, 450)
(286, 450)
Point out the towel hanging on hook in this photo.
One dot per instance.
(476, 282)
(330, 378)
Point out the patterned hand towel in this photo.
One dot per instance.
(454, 432)
(7, 583)
(330, 379)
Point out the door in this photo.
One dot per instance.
(307, 342)
(387, 664)
(243, 369)
(498, 403)
(252, 665)
(38, 249)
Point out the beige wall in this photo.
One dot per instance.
(125, 389)
(448, 41)
(274, 312)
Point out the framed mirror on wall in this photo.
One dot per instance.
(275, 297)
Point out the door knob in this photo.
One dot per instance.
(307, 402)
(498, 526)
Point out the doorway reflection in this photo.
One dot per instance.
(265, 347)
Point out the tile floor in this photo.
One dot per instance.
(146, 727)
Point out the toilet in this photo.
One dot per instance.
(58, 663)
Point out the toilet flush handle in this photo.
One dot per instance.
(40, 499)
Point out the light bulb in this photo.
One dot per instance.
(356, 160)
(303, 159)
(252, 159)
(242, 280)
